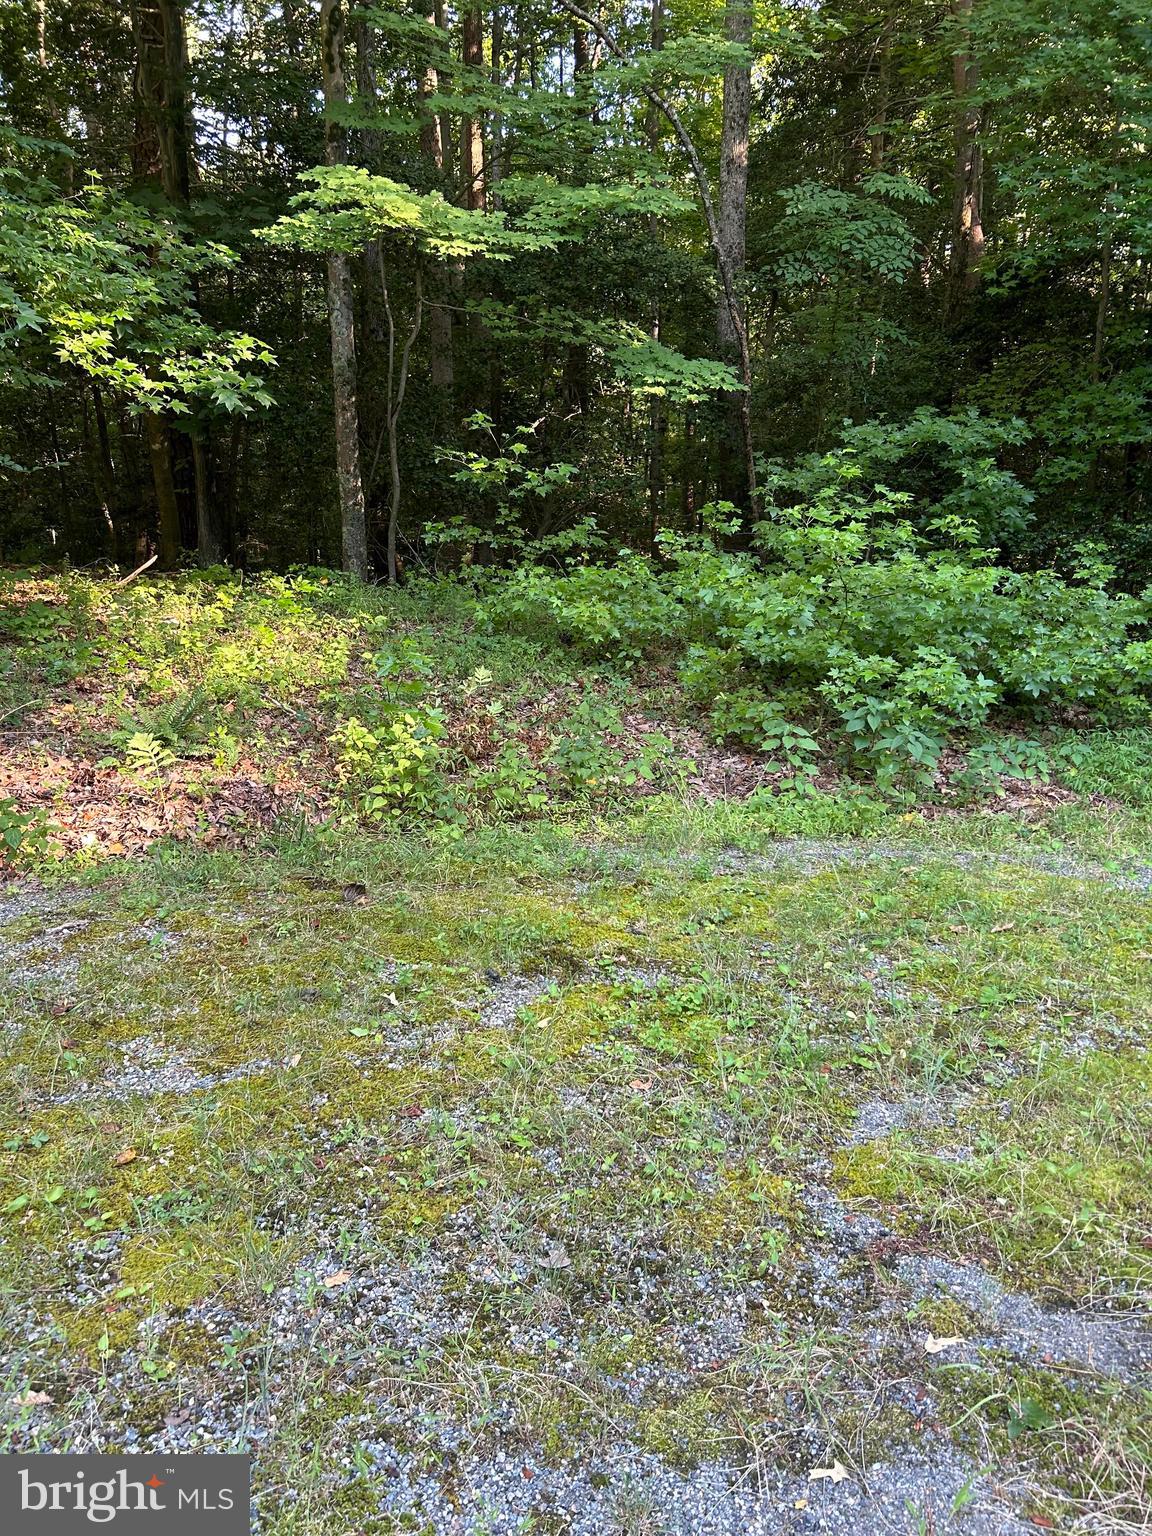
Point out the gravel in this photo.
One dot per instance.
(1111, 1346)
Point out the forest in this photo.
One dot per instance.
(399, 291)
(576, 760)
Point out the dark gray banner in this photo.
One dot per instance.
(187, 1495)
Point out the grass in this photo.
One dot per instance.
(401, 1156)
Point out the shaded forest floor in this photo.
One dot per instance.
(614, 1170)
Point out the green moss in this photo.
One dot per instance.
(685, 1432)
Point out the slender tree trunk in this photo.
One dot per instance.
(397, 385)
(472, 133)
(369, 139)
(495, 169)
(732, 480)
(668, 110)
(733, 206)
(106, 472)
(162, 157)
(575, 380)
(167, 508)
(968, 173)
(207, 534)
(657, 412)
(431, 131)
(432, 142)
(341, 322)
(878, 138)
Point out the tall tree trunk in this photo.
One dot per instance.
(657, 412)
(167, 508)
(968, 172)
(432, 142)
(878, 138)
(161, 147)
(106, 473)
(208, 549)
(732, 218)
(341, 322)
(162, 158)
(495, 168)
(369, 139)
(667, 108)
(575, 380)
(472, 132)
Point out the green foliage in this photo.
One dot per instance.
(511, 783)
(826, 232)
(23, 834)
(891, 639)
(613, 610)
(393, 770)
(147, 755)
(501, 485)
(108, 285)
(346, 207)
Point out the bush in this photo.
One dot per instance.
(892, 634)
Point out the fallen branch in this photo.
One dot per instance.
(124, 580)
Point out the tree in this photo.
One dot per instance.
(347, 209)
(732, 216)
(341, 311)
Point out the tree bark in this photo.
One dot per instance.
(968, 173)
(341, 322)
(369, 139)
(731, 477)
(162, 157)
(472, 132)
(394, 404)
(733, 210)
(432, 141)
(161, 150)
(878, 138)
(208, 548)
(167, 508)
(704, 192)
(106, 472)
(657, 412)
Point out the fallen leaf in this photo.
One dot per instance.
(129, 1155)
(341, 1277)
(63, 1006)
(836, 1473)
(1003, 928)
(31, 1399)
(556, 1257)
(934, 1346)
(640, 1084)
(294, 1061)
(1043, 1522)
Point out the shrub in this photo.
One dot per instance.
(894, 634)
(393, 768)
(603, 610)
(23, 834)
